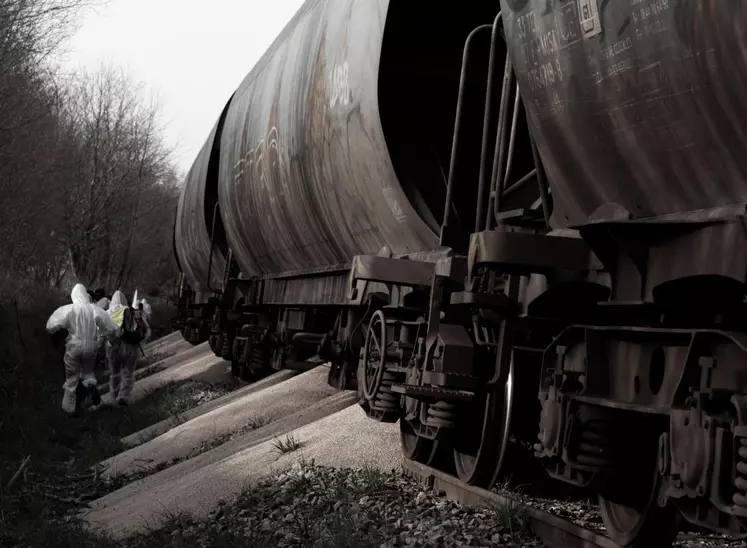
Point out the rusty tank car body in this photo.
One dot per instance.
(521, 221)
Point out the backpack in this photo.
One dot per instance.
(131, 322)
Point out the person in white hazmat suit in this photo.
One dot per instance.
(147, 312)
(83, 321)
(122, 351)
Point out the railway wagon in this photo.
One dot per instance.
(514, 227)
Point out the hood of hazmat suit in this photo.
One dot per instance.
(147, 310)
(118, 301)
(104, 303)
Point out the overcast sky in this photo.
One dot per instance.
(192, 54)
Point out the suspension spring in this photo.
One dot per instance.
(740, 482)
(260, 357)
(385, 399)
(227, 347)
(238, 348)
(442, 414)
(602, 444)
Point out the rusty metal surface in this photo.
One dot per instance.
(552, 530)
(306, 177)
(192, 230)
(638, 103)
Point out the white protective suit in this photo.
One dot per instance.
(147, 312)
(122, 358)
(104, 303)
(83, 321)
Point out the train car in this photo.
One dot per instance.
(504, 229)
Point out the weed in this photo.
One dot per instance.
(288, 445)
(258, 421)
(373, 479)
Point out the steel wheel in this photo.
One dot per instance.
(640, 522)
(481, 438)
(415, 447)
(374, 356)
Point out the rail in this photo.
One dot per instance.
(554, 532)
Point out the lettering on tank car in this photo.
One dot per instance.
(545, 75)
(339, 86)
(618, 68)
(650, 17)
(543, 45)
(619, 47)
(648, 8)
(527, 24)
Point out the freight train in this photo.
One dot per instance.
(515, 223)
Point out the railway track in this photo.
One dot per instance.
(553, 531)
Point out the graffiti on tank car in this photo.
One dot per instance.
(339, 86)
(255, 162)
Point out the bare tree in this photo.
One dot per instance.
(123, 159)
(86, 182)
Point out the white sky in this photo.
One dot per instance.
(190, 54)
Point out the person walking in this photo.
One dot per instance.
(122, 351)
(83, 322)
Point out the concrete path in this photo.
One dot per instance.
(163, 341)
(256, 407)
(182, 351)
(180, 356)
(344, 439)
(167, 424)
(205, 367)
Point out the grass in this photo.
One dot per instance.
(287, 445)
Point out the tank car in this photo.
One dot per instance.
(522, 226)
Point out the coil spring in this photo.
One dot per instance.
(259, 359)
(601, 445)
(740, 497)
(442, 414)
(238, 349)
(385, 399)
(226, 348)
(235, 358)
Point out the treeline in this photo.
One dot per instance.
(88, 188)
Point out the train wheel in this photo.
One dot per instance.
(415, 447)
(482, 435)
(635, 520)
